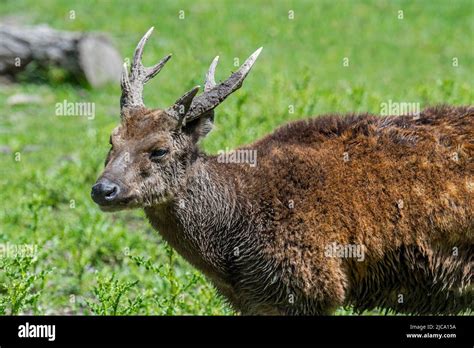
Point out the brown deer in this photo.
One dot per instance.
(362, 210)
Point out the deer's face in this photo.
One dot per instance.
(152, 149)
(146, 163)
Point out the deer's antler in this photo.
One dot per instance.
(188, 107)
(132, 85)
(214, 94)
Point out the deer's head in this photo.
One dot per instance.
(152, 149)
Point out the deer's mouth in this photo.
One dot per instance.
(112, 208)
(130, 203)
(111, 196)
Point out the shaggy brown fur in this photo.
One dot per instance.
(405, 191)
(400, 187)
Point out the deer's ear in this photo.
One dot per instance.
(199, 127)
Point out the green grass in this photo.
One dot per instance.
(88, 262)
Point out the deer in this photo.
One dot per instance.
(358, 210)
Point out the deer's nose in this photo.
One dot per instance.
(104, 192)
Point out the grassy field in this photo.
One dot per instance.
(88, 262)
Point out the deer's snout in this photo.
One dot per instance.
(105, 192)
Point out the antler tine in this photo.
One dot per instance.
(210, 76)
(137, 57)
(215, 94)
(124, 80)
(180, 108)
(151, 72)
(132, 85)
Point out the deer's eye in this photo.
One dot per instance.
(158, 154)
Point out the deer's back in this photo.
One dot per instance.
(372, 179)
(391, 184)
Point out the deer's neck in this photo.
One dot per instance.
(206, 221)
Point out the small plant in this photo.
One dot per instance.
(175, 287)
(109, 293)
(21, 285)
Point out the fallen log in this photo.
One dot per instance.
(89, 56)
